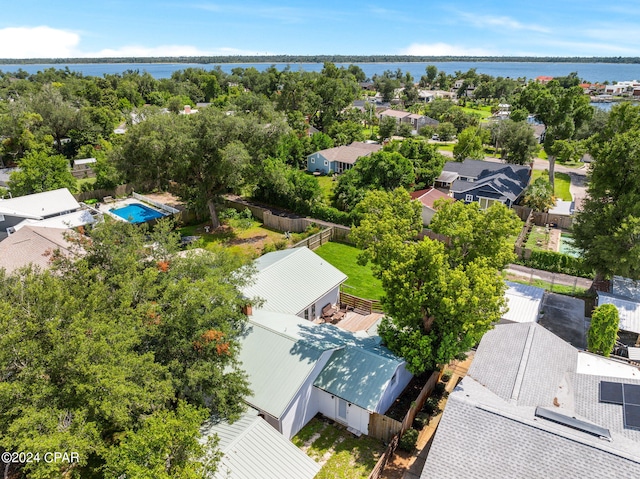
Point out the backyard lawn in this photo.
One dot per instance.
(248, 238)
(340, 453)
(361, 281)
(562, 184)
(327, 185)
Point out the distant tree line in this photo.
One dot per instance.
(320, 59)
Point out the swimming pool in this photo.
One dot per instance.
(137, 213)
(568, 247)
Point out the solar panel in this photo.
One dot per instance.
(611, 392)
(573, 423)
(632, 416)
(632, 394)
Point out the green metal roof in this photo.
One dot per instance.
(291, 280)
(358, 376)
(252, 448)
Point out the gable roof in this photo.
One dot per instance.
(31, 245)
(39, 205)
(281, 350)
(506, 179)
(429, 196)
(291, 280)
(252, 448)
(277, 364)
(348, 154)
(490, 421)
(395, 113)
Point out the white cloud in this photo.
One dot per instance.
(37, 42)
(501, 22)
(443, 49)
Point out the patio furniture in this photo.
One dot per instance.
(108, 199)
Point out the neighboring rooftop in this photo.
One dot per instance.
(291, 280)
(350, 153)
(492, 423)
(628, 310)
(39, 206)
(32, 245)
(626, 288)
(251, 448)
(428, 196)
(523, 303)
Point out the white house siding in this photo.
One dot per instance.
(304, 404)
(427, 215)
(402, 378)
(357, 418)
(332, 297)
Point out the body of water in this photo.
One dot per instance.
(591, 72)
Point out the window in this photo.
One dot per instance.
(313, 311)
(468, 198)
(326, 163)
(306, 314)
(313, 160)
(486, 202)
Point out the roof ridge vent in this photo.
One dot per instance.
(573, 423)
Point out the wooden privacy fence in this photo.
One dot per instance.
(366, 306)
(121, 190)
(382, 427)
(316, 240)
(543, 219)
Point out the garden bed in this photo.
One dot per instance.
(399, 408)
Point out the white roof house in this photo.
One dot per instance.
(628, 310)
(251, 448)
(523, 303)
(295, 281)
(51, 209)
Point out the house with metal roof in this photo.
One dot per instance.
(484, 182)
(340, 158)
(297, 369)
(251, 448)
(52, 209)
(523, 303)
(533, 406)
(295, 281)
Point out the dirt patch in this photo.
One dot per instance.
(399, 408)
(168, 199)
(399, 464)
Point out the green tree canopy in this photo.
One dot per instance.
(603, 330)
(120, 354)
(607, 229)
(469, 145)
(516, 141)
(40, 172)
(539, 195)
(439, 305)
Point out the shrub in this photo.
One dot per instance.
(431, 406)
(445, 376)
(408, 440)
(421, 420)
(331, 214)
(557, 263)
(439, 390)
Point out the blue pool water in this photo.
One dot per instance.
(567, 246)
(137, 213)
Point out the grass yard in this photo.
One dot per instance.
(243, 241)
(89, 181)
(555, 288)
(327, 185)
(361, 281)
(341, 454)
(562, 184)
(538, 238)
(446, 147)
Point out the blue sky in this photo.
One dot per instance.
(64, 28)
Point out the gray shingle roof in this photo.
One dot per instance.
(32, 245)
(508, 180)
(524, 363)
(252, 448)
(488, 431)
(291, 280)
